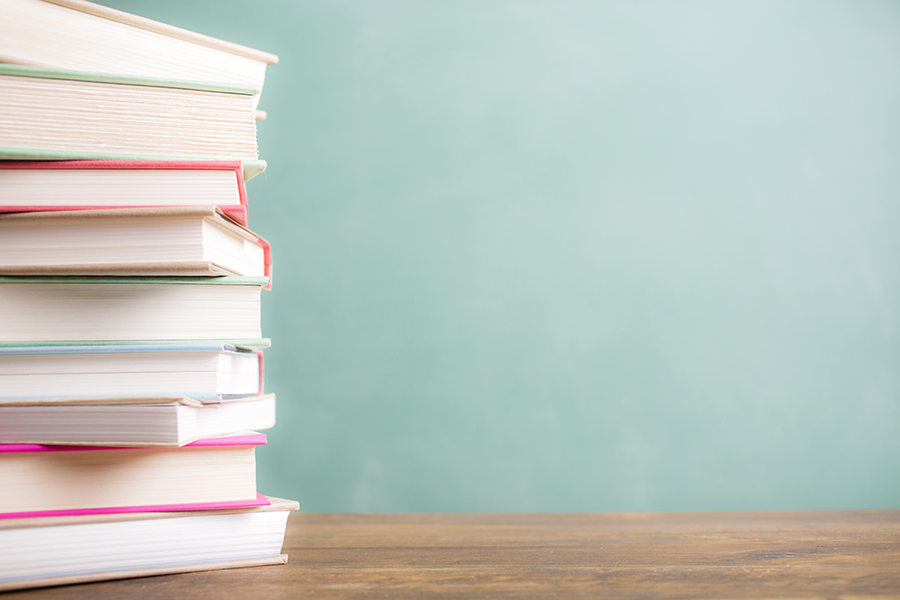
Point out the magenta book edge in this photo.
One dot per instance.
(126, 165)
(238, 212)
(246, 439)
(259, 501)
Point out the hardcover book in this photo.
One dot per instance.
(159, 241)
(137, 421)
(76, 549)
(92, 116)
(203, 372)
(92, 184)
(122, 309)
(83, 36)
(41, 481)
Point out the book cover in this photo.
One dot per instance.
(167, 30)
(25, 156)
(67, 75)
(114, 345)
(80, 35)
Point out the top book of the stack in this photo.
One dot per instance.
(82, 36)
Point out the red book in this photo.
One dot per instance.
(29, 186)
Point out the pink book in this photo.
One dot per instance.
(31, 186)
(44, 481)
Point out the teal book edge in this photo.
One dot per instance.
(227, 280)
(198, 86)
(191, 347)
(251, 168)
(150, 345)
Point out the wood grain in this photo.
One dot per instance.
(666, 555)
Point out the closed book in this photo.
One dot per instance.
(29, 186)
(48, 551)
(92, 116)
(137, 421)
(172, 240)
(121, 309)
(83, 36)
(199, 371)
(41, 480)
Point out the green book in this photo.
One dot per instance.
(69, 115)
(250, 168)
(248, 344)
(68, 75)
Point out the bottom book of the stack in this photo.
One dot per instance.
(47, 551)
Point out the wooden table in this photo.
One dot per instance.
(641, 555)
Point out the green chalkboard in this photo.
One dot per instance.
(578, 256)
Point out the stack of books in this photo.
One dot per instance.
(131, 363)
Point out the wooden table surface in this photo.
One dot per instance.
(639, 555)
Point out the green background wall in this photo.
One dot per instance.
(575, 256)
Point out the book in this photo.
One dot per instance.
(129, 300)
(76, 549)
(144, 421)
(201, 372)
(159, 241)
(89, 116)
(124, 309)
(44, 480)
(30, 186)
(82, 36)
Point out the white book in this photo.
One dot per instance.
(201, 372)
(63, 550)
(176, 240)
(132, 422)
(34, 185)
(82, 36)
(108, 309)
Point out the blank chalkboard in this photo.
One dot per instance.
(577, 256)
